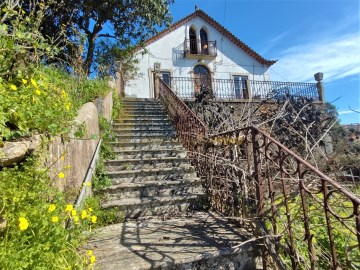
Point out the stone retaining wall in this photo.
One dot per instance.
(72, 156)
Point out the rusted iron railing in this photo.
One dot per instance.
(256, 178)
(226, 89)
(304, 217)
(190, 128)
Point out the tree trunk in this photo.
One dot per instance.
(90, 53)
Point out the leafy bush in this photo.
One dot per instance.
(35, 234)
(104, 216)
(44, 103)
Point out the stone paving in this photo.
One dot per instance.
(198, 241)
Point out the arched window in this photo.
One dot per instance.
(202, 79)
(192, 37)
(204, 41)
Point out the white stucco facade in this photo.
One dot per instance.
(168, 50)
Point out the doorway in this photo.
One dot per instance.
(202, 79)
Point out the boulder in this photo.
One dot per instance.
(13, 152)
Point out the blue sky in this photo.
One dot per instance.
(305, 36)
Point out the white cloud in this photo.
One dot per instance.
(337, 57)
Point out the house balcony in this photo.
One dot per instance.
(232, 90)
(195, 49)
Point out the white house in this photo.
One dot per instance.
(197, 53)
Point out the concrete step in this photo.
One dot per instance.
(154, 205)
(118, 177)
(144, 114)
(143, 110)
(144, 154)
(141, 132)
(148, 163)
(142, 125)
(140, 100)
(143, 128)
(147, 138)
(154, 145)
(145, 107)
(197, 241)
(150, 188)
(136, 121)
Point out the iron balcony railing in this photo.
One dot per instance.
(197, 47)
(226, 89)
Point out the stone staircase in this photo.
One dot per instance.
(155, 185)
(151, 174)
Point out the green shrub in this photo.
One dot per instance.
(104, 216)
(36, 215)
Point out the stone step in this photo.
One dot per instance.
(143, 128)
(146, 116)
(145, 125)
(147, 132)
(150, 188)
(154, 205)
(118, 177)
(139, 100)
(143, 107)
(149, 163)
(144, 154)
(136, 121)
(154, 145)
(196, 241)
(147, 138)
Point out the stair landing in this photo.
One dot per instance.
(198, 241)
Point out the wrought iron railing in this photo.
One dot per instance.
(311, 220)
(308, 219)
(192, 46)
(190, 128)
(226, 89)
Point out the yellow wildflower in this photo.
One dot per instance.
(62, 157)
(23, 224)
(74, 213)
(37, 91)
(84, 214)
(93, 219)
(61, 175)
(67, 106)
(68, 167)
(24, 81)
(90, 252)
(33, 82)
(69, 208)
(90, 209)
(92, 259)
(51, 208)
(54, 219)
(13, 87)
(76, 219)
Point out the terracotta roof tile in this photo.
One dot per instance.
(217, 26)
